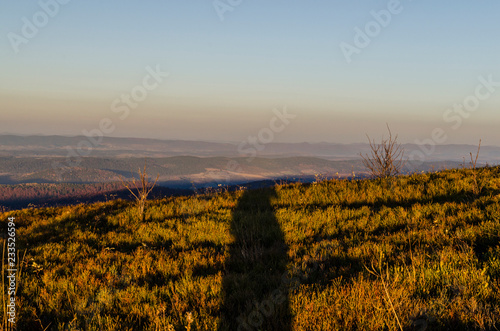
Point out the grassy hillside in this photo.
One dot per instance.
(415, 252)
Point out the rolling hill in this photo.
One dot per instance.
(414, 252)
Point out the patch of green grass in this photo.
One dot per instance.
(410, 252)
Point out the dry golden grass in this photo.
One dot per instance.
(421, 253)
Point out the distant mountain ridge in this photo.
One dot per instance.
(53, 146)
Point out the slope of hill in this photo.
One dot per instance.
(415, 252)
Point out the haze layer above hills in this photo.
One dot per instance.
(13, 145)
(53, 159)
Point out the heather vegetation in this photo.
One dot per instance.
(414, 252)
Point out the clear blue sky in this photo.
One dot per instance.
(226, 77)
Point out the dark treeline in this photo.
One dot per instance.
(21, 196)
(43, 195)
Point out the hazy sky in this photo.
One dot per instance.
(345, 68)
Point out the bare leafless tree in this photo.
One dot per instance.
(386, 158)
(143, 189)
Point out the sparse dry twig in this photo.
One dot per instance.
(478, 183)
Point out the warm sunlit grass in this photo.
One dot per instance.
(419, 250)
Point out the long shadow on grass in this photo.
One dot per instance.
(254, 286)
